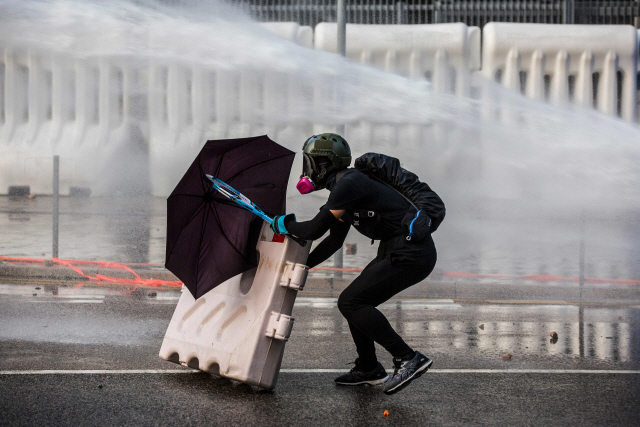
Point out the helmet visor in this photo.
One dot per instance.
(308, 166)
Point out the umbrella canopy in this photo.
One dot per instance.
(210, 239)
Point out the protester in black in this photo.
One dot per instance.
(377, 211)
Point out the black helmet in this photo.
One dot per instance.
(324, 154)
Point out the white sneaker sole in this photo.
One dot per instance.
(372, 382)
(415, 375)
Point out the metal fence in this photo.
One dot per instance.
(607, 12)
(471, 12)
(478, 13)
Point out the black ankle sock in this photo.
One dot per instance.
(408, 355)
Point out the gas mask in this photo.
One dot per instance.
(314, 172)
(305, 185)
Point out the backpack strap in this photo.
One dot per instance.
(343, 172)
(391, 187)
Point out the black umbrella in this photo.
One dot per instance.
(211, 239)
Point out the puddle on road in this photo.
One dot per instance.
(487, 330)
(440, 325)
(81, 292)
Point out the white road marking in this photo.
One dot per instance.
(69, 301)
(479, 371)
(412, 304)
(162, 302)
(78, 296)
(321, 371)
(100, 371)
(167, 298)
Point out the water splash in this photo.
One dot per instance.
(496, 154)
(567, 151)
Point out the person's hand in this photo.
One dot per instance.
(278, 225)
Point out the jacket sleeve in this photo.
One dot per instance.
(329, 245)
(313, 229)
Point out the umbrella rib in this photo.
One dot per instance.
(204, 227)
(202, 233)
(220, 164)
(203, 174)
(183, 228)
(224, 234)
(223, 201)
(202, 180)
(186, 195)
(256, 165)
(233, 149)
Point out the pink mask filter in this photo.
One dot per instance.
(305, 185)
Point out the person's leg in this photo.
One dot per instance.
(377, 283)
(365, 347)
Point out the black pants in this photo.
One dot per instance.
(383, 278)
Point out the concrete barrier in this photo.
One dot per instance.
(562, 63)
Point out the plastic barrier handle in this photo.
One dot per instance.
(298, 240)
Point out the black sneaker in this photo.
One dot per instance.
(357, 376)
(407, 371)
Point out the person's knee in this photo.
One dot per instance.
(345, 304)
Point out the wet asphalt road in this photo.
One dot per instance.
(102, 329)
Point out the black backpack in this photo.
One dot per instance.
(387, 170)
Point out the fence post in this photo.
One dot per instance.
(581, 267)
(568, 12)
(342, 27)
(56, 197)
(338, 261)
(581, 263)
(342, 50)
(400, 19)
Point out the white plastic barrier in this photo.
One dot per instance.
(300, 34)
(95, 114)
(475, 48)
(100, 116)
(440, 52)
(445, 54)
(189, 105)
(53, 104)
(239, 329)
(561, 54)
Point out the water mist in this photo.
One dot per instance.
(519, 177)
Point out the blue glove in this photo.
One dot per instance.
(278, 226)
